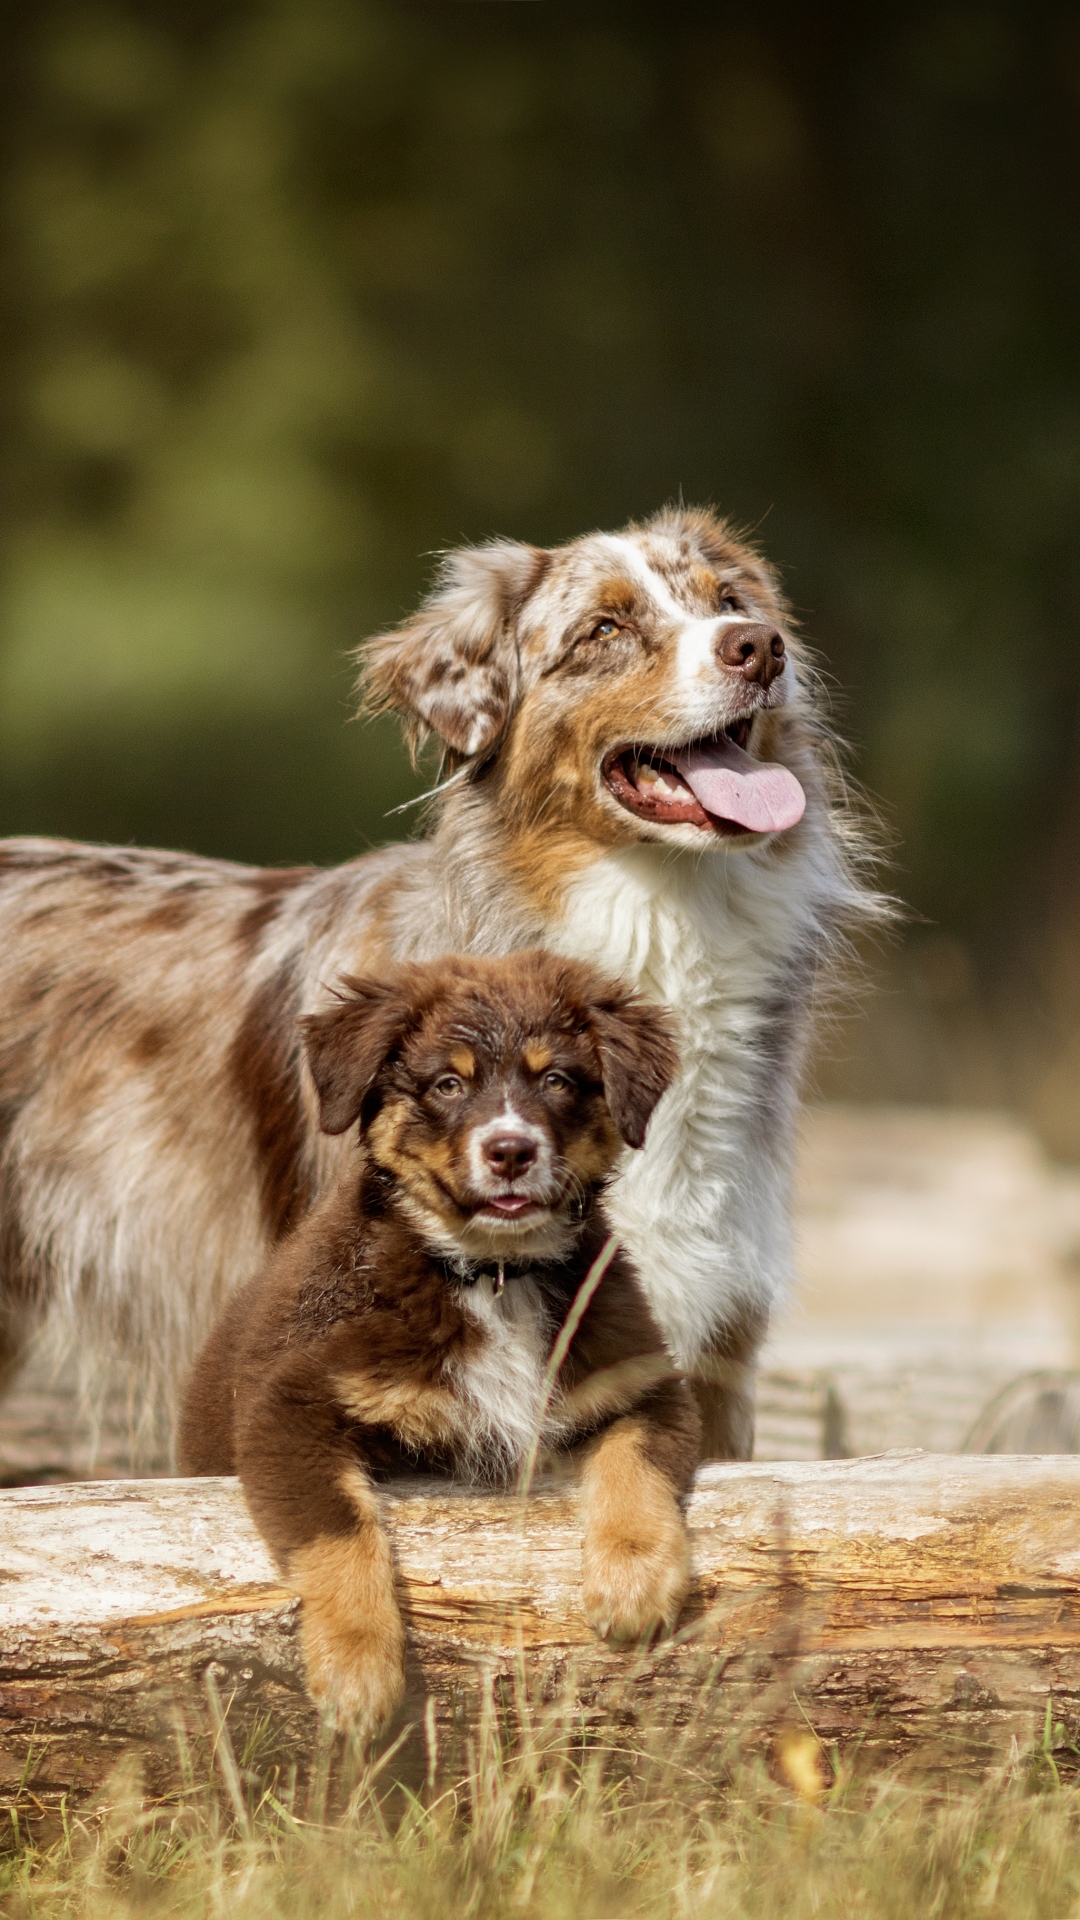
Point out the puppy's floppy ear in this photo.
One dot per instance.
(348, 1043)
(638, 1060)
(453, 668)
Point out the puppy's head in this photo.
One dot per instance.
(498, 1093)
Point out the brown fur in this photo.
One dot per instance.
(158, 1126)
(376, 1338)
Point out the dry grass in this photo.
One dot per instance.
(542, 1834)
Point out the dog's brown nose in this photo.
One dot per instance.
(509, 1154)
(755, 652)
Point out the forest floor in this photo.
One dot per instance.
(549, 1837)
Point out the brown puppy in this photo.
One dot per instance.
(411, 1318)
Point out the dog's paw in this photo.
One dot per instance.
(636, 1572)
(355, 1673)
(350, 1628)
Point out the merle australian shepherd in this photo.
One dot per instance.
(414, 1316)
(639, 779)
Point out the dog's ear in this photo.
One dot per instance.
(638, 1060)
(453, 668)
(348, 1043)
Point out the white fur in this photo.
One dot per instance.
(631, 558)
(704, 1206)
(505, 1383)
(695, 660)
(539, 1176)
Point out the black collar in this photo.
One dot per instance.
(458, 1271)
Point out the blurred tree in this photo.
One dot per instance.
(299, 290)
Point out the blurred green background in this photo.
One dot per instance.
(298, 291)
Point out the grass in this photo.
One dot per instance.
(549, 1832)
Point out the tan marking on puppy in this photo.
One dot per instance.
(595, 1151)
(635, 1554)
(385, 1133)
(537, 1056)
(613, 1389)
(434, 1156)
(422, 1416)
(463, 1061)
(419, 1173)
(351, 1629)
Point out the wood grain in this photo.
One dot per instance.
(918, 1608)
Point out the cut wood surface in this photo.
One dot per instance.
(915, 1608)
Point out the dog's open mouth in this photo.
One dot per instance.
(712, 783)
(512, 1206)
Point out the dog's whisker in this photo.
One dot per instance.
(444, 786)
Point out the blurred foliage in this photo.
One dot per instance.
(297, 291)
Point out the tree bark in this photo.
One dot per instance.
(913, 1608)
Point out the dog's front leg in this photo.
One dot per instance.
(312, 1499)
(635, 1552)
(353, 1638)
(723, 1383)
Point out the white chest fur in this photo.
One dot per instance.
(703, 1208)
(502, 1388)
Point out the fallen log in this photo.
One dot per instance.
(916, 1608)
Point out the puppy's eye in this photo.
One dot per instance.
(730, 603)
(449, 1085)
(556, 1082)
(605, 630)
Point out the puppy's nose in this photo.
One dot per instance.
(509, 1154)
(755, 652)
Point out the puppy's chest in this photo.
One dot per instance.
(473, 1386)
(500, 1374)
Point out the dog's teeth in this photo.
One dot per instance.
(648, 780)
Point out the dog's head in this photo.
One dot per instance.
(632, 686)
(498, 1093)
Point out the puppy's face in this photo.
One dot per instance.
(497, 1093)
(494, 1133)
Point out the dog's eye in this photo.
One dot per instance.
(449, 1085)
(730, 603)
(555, 1082)
(605, 630)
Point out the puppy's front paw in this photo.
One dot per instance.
(355, 1673)
(351, 1630)
(637, 1571)
(636, 1556)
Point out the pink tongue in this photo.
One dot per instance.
(762, 796)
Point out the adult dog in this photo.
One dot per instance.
(632, 734)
